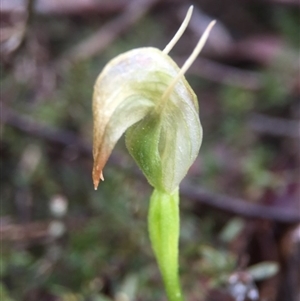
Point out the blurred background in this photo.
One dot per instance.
(240, 202)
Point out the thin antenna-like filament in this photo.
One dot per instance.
(197, 50)
(180, 31)
(190, 60)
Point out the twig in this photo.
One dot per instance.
(65, 7)
(35, 231)
(221, 202)
(43, 131)
(96, 43)
(238, 206)
(224, 74)
(274, 126)
(80, 7)
(283, 2)
(18, 37)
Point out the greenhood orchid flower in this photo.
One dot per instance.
(144, 94)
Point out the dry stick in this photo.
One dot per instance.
(43, 131)
(282, 2)
(224, 74)
(218, 201)
(274, 126)
(35, 231)
(239, 206)
(99, 41)
(18, 39)
(80, 7)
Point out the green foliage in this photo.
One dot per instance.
(263, 270)
(236, 103)
(216, 262)
(289, 23)
(255, 169)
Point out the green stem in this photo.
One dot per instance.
(163, 223)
